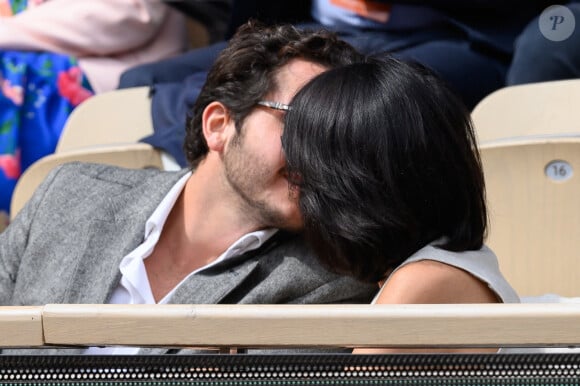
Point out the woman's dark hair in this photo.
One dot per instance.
(386, 161)
(245, 71)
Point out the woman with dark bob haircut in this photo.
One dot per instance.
(390, 183)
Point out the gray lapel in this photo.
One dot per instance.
(117, 231)
(211, 286)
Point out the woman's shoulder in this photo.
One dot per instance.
(435, 275)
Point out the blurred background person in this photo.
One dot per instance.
(54, 54)
(548, 48)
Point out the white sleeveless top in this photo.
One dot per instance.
(481, 264)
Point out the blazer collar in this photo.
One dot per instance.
(117, 231)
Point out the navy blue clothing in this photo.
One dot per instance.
(538, 59)
(175, 84)
(170, 110)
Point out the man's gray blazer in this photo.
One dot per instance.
(66, 244)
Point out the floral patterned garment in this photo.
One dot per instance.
(38, 90)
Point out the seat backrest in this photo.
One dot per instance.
(113, 117)
(528, 110)
(533, 193)
(134, 155)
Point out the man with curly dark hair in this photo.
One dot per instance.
(226, 230)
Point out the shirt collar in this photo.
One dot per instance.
(247, 242)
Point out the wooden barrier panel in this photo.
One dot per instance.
(21, 326)
(454, 325)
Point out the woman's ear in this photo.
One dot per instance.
(216, 121)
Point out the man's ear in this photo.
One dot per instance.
(216, 121)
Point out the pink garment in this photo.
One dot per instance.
(107, 36)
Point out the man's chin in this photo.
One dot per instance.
(293, 224)
(286, 217)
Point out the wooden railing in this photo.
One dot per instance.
(459, 325)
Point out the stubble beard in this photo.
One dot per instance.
(246, 176)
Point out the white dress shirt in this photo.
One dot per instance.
(134, 287)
